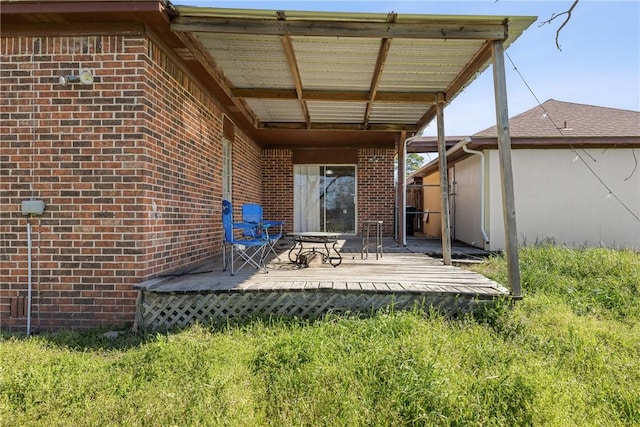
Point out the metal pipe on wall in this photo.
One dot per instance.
(29, 278)
(482, 190)
(403, 207)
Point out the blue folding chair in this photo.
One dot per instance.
(252, 214)
(250, 249)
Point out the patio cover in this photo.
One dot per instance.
(307, 78)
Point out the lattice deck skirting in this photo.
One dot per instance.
(177, 310)
(402, 281)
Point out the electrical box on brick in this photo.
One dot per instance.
(32, 207)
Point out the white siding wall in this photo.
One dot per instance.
(467, 202)
(558, 198)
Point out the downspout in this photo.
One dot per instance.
(482, 189)
(404, 188)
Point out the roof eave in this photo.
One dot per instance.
(455, 154)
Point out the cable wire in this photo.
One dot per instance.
(571, 147)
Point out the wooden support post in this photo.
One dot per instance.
(402, 188)
(506, 171)
(445, 219)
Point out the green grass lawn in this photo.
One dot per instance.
(568, 354)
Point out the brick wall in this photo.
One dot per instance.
(182, 183)
(247, 174)
(129, 168)
(277, 178)
(376, 189)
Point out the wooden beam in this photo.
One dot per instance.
(385, 44)
(406, 97)
(306, 138)
(441, 30)
(427, 117)
(482, 56)
(445, 217)
(287, 45)
(259, 93)
(384, 127)
(336, 96)
(460, 82)
(377, 74)
(506, 171)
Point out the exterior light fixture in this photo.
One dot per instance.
(65, 80)
(85, 77)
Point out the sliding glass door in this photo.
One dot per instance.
(338, 212)
(325, 198)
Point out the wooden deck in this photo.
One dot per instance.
(402, 278)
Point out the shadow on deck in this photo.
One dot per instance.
(403, 278)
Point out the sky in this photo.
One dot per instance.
(599, 63)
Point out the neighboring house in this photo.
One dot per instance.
(576, 177)
(179, 108)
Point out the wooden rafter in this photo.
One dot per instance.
(385, 44)
(464, 78)
(287, 45)
(427, 117)
(481, 57)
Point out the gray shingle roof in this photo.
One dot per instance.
(557, 119)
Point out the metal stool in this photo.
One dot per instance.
(366, 229)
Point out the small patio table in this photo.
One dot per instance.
(315, 237)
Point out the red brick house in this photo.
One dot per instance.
(179, 107)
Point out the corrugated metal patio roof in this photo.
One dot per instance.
(291, 70)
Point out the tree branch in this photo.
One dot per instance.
(556, 15)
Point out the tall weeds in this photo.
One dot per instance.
(565, 355)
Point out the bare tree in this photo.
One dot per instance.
(557, 15)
